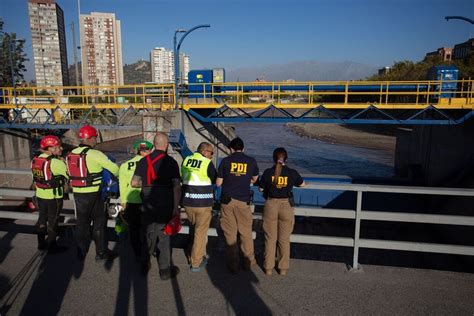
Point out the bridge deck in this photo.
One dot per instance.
(53, 284)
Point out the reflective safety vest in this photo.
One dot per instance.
(42, 174)
(197, 186)
(79, 174)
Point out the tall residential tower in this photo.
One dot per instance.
(101, 49)
(49, 43)
(162, 66)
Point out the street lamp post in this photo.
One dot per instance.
(176, 57)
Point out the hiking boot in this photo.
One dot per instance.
(283, 272)
(268, 272)
(166, 274)
(106, 255)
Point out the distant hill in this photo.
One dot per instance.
(304, 71)
(136, 73)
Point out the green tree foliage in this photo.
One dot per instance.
(408, 70)
(11, 53)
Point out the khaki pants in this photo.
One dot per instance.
(236, 218)
(200, 218)
(278, 222)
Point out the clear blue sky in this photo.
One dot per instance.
(248, 33)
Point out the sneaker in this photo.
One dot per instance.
(166, 274)
(106, 255)
(203, 264)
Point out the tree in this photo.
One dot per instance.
(11, 54)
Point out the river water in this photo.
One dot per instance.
(308, 156)
(313, 156)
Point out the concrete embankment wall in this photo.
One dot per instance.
(14, 149)
(70, 137)
(437, 155)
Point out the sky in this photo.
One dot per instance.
(254, 33)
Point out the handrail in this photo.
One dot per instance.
(443, 94)
(357, 214)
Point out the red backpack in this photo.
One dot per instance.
(42, 174)
(79, 175)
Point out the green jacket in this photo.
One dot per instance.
(128, 194)
(96, 161)
(58, 168)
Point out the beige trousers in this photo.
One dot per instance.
(278, 222)
(237, 219)
(200, 218)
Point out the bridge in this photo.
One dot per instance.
(348, 102)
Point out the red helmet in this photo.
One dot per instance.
(87, 131)
(49, 141)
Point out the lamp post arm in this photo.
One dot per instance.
(459, 18)
(189, 31)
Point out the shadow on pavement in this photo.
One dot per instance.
(130, 280)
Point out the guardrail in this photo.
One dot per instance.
(357, 214)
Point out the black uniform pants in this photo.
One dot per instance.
(49, 211)
(157, 244)
(90, 208)
(133, 218)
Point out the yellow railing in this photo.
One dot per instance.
(333, 94)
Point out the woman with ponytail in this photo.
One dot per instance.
(277, 184)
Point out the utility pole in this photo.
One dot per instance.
(76, 67)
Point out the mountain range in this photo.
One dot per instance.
(304, 71)
(140, 72)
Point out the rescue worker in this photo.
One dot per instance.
(235, 174)
(198, 174)
(277, 184)
(85, 165)
(49, 175)
(158, 176)
(131, 200)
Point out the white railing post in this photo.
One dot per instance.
(355, 260)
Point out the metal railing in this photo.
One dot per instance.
(403, 95)
(357, 214)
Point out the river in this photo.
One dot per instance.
(305, 154)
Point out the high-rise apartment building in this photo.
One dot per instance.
(101, 49)
(49, 43)
(162, 66)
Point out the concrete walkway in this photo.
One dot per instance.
(32, 283)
